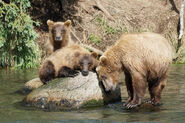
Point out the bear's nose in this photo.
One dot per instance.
(85, 73)
(57, 38)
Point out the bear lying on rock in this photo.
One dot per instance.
(64, 63)
(144, 58)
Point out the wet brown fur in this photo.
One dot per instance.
(64, 62)
(145, 58)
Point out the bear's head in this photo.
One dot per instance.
(59, 30)
(108, 73)
(86, 62)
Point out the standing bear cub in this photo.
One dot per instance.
(59, 34)
(144, 58)
(64, 63)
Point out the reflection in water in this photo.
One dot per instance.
(172, 110)
(73, 121)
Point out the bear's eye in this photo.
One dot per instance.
(81, 63)
(63, 31)
(53, 31)
(109, 70)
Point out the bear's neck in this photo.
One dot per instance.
(57, 45)
(63, 43)
(65, 40)
(114, 57)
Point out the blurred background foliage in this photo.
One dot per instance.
(17, 38)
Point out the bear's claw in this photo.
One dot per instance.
(153, 103)
(131, 106)
(73, 73)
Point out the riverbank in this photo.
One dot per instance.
(94, 27)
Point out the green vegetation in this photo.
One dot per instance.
(109, 29)
(137, 30)
(94, 39)
(181, 56)
(92, 103)
(88, 49)
(17, 46)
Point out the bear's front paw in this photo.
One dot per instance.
(125, 104)
(73, 73)
(128, 101)
(131, 106)
(67, 72)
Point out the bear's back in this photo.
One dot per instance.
(145, 44)
(65, 56)
(142, 52)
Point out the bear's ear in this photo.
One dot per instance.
(103, 60)
(94, 54)
(77, 54)
(50, 22)
(67, 23)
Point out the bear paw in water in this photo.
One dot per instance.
(132, 105)
(153, 103)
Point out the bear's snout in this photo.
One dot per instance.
(58, 38)
(85, 73)
(108, 85)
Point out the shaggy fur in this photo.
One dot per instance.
(64, 63)
(144, 58)
(49, 70)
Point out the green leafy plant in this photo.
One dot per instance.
(94, 39)
(17, 37)
(137, 30)
(180, 58)
(109, 29)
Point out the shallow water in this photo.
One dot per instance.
(12, 111)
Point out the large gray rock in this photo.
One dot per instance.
(69, 93)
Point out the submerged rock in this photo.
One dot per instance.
(70, 93)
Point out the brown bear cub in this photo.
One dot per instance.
(66, 61)
(144, 58)
(59, 34)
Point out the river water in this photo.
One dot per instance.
(12, 111)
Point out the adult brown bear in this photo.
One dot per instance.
(64, 63)
(145, 58)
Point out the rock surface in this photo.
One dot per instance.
(33, 84)
(71, 93)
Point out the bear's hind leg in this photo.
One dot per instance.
(139, 88)
(47, 72)
(67, 72)
(155, 91)
(128, 82)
